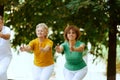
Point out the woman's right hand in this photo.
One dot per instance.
(57, 48)
(22, 47)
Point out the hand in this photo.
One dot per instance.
(42, 50)
(57, 47)
(22, 47)
(71, 48)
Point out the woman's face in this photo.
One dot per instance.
(71, 35)
(41, 32)
(1, 24)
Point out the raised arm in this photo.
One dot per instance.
(4, 36)
(25, 48)
(59, 48)
(46, 49)
(78, 49)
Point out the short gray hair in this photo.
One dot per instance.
(43, 25)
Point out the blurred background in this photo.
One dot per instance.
(98, 21)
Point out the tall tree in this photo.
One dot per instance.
(114, 12)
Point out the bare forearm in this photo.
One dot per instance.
(5, 36)
(25, 48)
(45, 49)
(78, 49)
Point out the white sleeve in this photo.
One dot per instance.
(7, 30)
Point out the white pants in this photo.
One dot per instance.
(4, 63)
(42, 73)
(75, 75)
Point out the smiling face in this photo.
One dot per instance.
(71, 35)
(71, 32)
(1, 23)
(41, 30)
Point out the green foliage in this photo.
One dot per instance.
(93, 16)
(24, 18)
(90, 15)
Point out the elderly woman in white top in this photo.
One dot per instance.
(5, 49)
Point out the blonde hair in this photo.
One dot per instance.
(44, 26)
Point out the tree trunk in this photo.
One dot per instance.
(1, 10)
(111, 69)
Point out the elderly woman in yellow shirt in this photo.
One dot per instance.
(42, 49)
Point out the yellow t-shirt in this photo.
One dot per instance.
(42, 59)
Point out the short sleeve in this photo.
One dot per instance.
(31, 44)
(6, 30)
(50, 43)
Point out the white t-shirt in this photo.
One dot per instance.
(5, 47)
